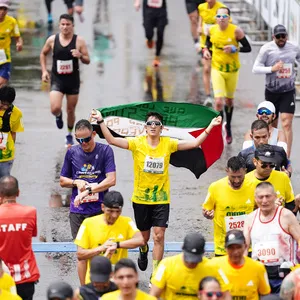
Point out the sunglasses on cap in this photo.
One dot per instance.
(265, 111)
(84, 140)
(155, 123)
(211, 294)
(264, 165)
(282, 36)
(225, 16)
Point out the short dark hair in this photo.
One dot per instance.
(259, 124)
(82, 124)
(7, 94)
(207, 279)
(125, 263)
(9, 186)
(67, 17)
(236, 163)
(224, 7)
(154, 114)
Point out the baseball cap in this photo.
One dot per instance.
(279, 29)
(234, 237)
(100, 269)
(265, 153)
(60, 290)
(193, 247)
(4, 3)
(267, 104)
(113, 199)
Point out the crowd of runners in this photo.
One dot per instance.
(253, 208)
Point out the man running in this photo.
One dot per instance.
(224, 38)
(276, 59)
(8, 28)
(272, 231)
(228, 201)
(154, 16)
(151, 195)
(68, 49)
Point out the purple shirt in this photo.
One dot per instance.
(91, 167)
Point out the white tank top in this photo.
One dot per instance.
(271, 244)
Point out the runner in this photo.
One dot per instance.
(266, 112)
(261, 136)
(89, 169)
(8, 28)
(59, 290)
(248, 278)
(68, 49)
(272, 231)
(207, 17)
(10, 123)
(224, 38)
(115, 234)
(18, 225)
(151, 195)
(208, 288)
(126, 278)
(228, 201)
(276, 59)
(192, 10)
(154, 16)
(177, 277)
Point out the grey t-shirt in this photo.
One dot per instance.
(269, 54)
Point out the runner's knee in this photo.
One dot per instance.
(158, 236)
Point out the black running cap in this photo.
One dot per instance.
(193, 247)
(100, 269)
(279, 29)
(60, 290)
(113, 199)
(234, 237)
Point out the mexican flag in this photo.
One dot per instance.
(181, 121)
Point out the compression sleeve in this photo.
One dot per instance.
(208, 42)
(291, 206)
(246, 46)
(259, 64)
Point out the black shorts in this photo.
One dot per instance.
(147, 216)
(192, 5)
(67, 86)
(283, 102)
(69, 3)
(76, 220)
(26, 290)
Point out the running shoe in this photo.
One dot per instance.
(143, 259)
(69, 140)
(228, 136)
(50, 19)
(156, 62)
(150, 44)
(208, 101)
(59, 121)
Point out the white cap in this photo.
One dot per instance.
(4, 3)
(267, 104)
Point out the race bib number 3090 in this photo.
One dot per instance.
(154, 165)
(155, 3)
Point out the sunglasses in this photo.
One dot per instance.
(84, 140)
(265, 111)
(225, 16)
(155, 123)
(211, 294)
(282, 36)
(264, 165)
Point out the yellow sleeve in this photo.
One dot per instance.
(17, 124)
(160, 275)
(131, 143)
(132, 228)
(214, 265)
(16, 30)
(209, 202)
(173, 145)
(264, 286)
(289, 192)
(82, 238)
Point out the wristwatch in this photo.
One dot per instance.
(99, 122)
(89, 188)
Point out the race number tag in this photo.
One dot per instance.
(3, 57)
(3, 140)
(90, 198)
(235, 222)
(155, 3)
(267, 251)
(206, 28)
(65, 66)
(154, 165)
(286, 71)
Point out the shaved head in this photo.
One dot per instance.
(9, 186)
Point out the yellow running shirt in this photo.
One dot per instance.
(116, 296)
(221, 61)
(230, 206)
(6, 140)
(281, 182)
(7, 283)
(180, 282)
(208, 16)
(8, 28)
(151, 169)
(94, 232)
(246, 282)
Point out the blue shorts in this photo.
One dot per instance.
(5, 70)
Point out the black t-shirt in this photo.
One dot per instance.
(88, 292)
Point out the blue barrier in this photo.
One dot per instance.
(39, 247)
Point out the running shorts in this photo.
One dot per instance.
(192, 5)
(5, 70)
(67, 86)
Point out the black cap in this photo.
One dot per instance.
(100, 269)
(279, 29)
(113, 199)
(193, 247)
(234, 237)
(60, 290)
(265, 153)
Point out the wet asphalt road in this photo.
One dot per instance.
(117, 75)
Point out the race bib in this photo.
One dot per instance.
(90, 198)
(3, 140)
(64, 66)
(154, 165)
(155, 3)
(235, 222)
(286, 71)
(3, 57)
(206, 28)
(267, 252)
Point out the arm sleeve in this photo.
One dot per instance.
(246, 46)
(289, 194)
(259, 64)
(264, 286)
(208, 42)
(66, 170)
(110, 165)
(160, 275)
(209, 202)
(82, 238)
(283, 145)
(132, 229)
